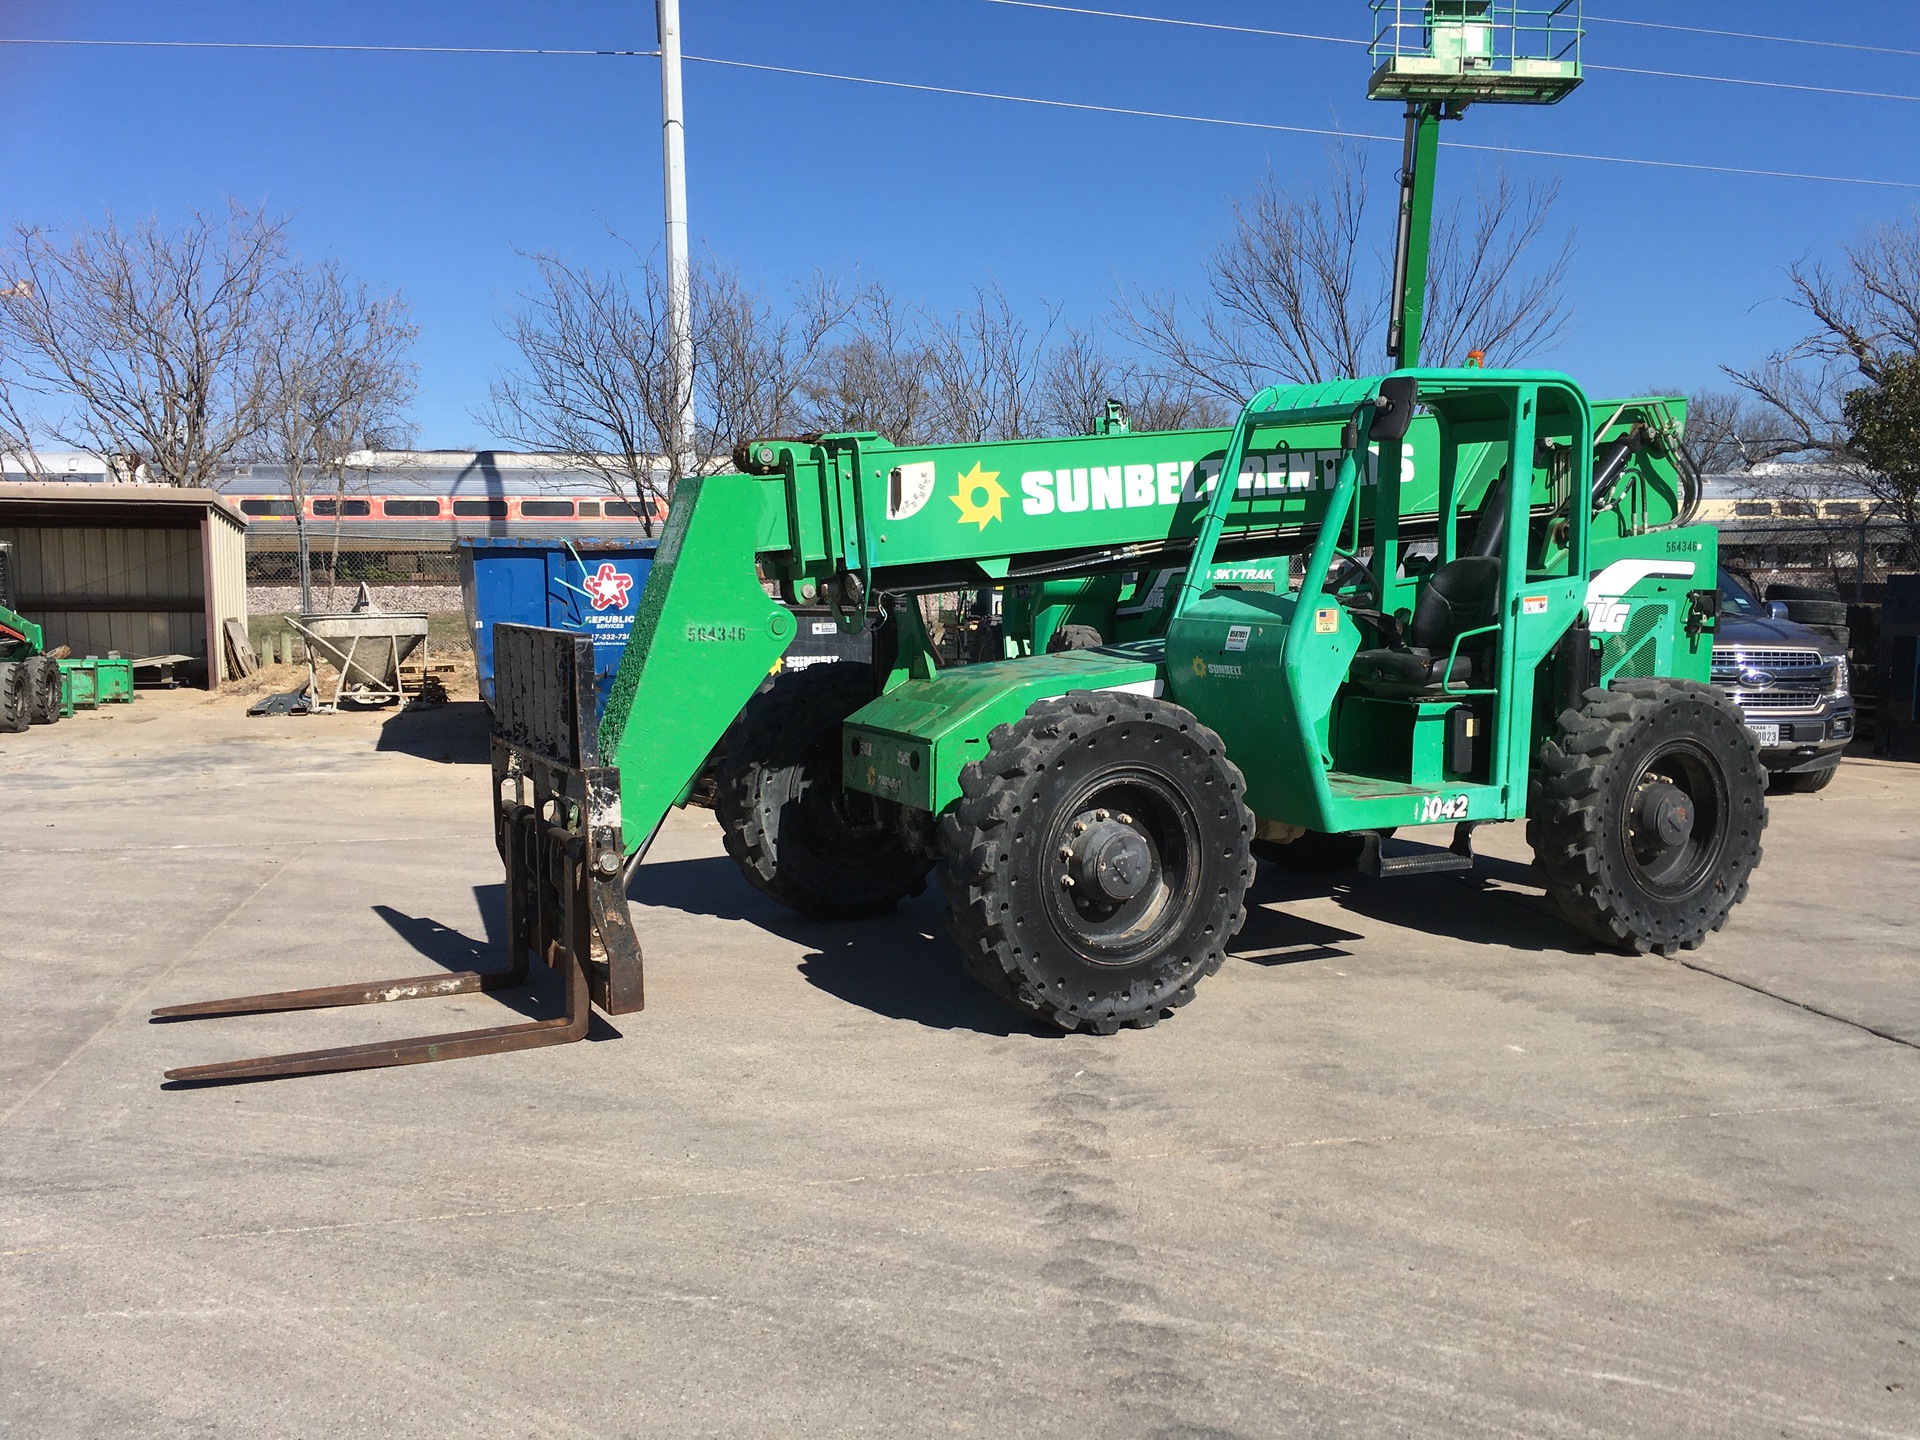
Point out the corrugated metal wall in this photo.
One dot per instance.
(94, 567)
(228, 566)
(133, 588)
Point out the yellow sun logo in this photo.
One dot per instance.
(974, 510)
(1200, 666)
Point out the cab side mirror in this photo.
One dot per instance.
(1776, 609)
(1393, 408)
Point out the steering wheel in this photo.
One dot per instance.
(1342, 575)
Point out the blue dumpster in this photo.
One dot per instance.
(591, 587)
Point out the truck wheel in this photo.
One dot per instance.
(1647, 812)
(1315, 853)
(43, 690)
(795, 832)
(1097, 860)
(1805, 782)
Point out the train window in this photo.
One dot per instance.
(346, 507)
(491, 509)
(397, 508)
(621, 510)
(1752, 507)
(266, 507)
(544, 508)
(589, 509)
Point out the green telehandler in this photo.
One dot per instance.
(1433, 597)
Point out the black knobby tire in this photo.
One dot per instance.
(1073, 637)
(1805, 782)
(1800, 592)
(796, 833)
(1839, 634)
(13, 698)
(1647, 811)
(1135, 802)
(1315, 853)
(43, 690)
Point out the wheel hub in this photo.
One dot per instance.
(1665, 813)
(1109, 856)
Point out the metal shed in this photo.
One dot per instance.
(139, 569)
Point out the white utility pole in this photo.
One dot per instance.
(673, 127)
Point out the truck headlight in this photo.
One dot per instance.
(1839, 685)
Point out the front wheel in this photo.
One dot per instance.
(797, 833)
(1096, 863)
(1647, 812)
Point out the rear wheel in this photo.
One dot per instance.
(1647, 813)
(43, 690)
(1097, 860)
(795, 831)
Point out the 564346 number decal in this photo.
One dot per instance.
(1440, 807)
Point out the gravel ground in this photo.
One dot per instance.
(285, 599)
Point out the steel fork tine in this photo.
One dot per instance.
(457, 1045)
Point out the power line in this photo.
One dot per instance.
(289, 45)
(1749, 35)
(1350, 40)
(1187, 24)
(1762, 84)
(1296, 129)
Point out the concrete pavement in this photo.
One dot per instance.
(1415, 1163)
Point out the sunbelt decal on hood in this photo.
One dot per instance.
(1607, 609)
(1184, 482)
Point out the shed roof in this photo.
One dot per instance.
(162, 506)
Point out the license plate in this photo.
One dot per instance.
(1766, 734)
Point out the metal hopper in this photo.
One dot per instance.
(366, 645)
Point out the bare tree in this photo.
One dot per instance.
(338, 379)
(1297, 293)
(142, 345)
(1729, 432)
(873, 375)
(595, 382)
(752, 360)
(983, 367)
(1825, 394)
(1080, 375)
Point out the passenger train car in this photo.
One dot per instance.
(426, 501)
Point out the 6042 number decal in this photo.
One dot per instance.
(1441, 807)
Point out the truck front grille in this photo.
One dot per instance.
(1775, 702)
(1800, 679)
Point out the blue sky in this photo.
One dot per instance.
(427, 172)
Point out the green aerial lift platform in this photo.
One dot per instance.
(1434, 597)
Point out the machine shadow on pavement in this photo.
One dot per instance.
(543, 994)
(451, 734)
(1451, 905)
(901, 966)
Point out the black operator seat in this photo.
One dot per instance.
(1461, 595)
